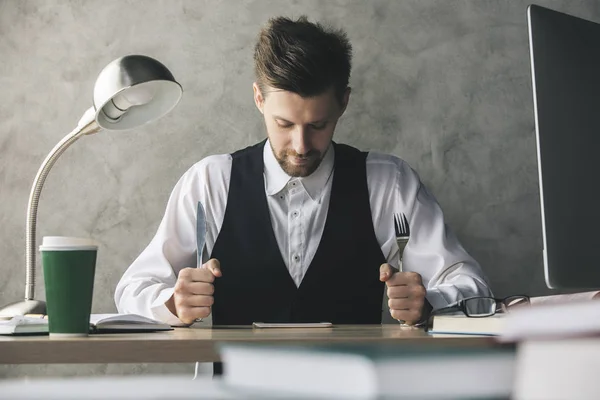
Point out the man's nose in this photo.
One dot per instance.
(300, 140)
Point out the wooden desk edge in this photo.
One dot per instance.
(158, 349)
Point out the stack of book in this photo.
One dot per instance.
(369, 372)
(558, 351)
(461, 324)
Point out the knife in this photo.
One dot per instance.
(200, 233)
(200, 238)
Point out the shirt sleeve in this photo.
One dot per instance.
(449, 273)
(149, 281)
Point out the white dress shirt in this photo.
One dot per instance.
(298, 208)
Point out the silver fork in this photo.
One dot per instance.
(402, 235)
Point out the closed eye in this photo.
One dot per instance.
(285, 124)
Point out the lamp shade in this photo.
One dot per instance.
(134, 90)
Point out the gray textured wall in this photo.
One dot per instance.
(443, 84)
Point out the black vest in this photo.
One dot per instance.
(342, 283)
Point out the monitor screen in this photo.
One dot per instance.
(565, 66)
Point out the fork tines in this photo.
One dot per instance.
(401, 225)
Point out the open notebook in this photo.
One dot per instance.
(125, 322)
(99, 323)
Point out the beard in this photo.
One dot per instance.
(309, 162)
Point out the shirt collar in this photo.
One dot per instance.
(276, 179)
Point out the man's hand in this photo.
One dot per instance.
(193, 295)
(406, 294)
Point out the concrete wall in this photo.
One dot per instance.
(444, 84)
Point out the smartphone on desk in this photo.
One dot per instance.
(292, 325)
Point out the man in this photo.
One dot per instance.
(299, 228)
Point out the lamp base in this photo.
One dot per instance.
(22, 308)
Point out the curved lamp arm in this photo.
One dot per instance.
(86, 126)
(129, 92)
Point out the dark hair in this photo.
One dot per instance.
(302, 57)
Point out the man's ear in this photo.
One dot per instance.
(259, 100)
(345, 100)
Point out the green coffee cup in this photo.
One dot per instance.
(69, 266)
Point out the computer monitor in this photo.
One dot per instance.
(565, 65)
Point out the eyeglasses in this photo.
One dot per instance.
(477, 307)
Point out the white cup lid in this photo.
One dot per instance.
(67, 243)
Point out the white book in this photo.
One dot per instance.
(23, 325)
(581, 318)
(369, 372)
(128, 387)
(558, 369)
(461, 324)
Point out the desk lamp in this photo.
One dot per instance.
(129, 92)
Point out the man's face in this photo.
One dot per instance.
(299, 129)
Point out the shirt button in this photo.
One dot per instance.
(295, 214)
(296, 258)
